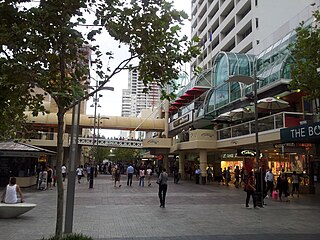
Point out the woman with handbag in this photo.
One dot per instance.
(163, 186)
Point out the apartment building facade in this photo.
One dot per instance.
(237, 25)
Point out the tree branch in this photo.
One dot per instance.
(121, 66)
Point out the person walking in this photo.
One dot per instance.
(250, 189)
(282, 186)
(141, 177)
(54, 175)
(88, 171)
(79, 172)
(197, 173)
(149, 175)
(64, 172)
(295, 183)
(237, 177)
(49, 177)
(163, 187)
(117, 175)
(269, 180)
(130, 171)
(228, 176)
(10, 194)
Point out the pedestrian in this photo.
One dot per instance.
(295, 183)
(141, 177)
(130, 171)
(269, 180)
(117, 175)
(88, 171)
(49, 177)
(54, 175)
(282, 187)
(64, 172)
(237, 177)
(163, 187)
(197, 173)
(250, 189)
(10, 194)
(209, 174)
(175, 174)
(228, 176)
(79, 172)
(219, 176)
(149, 175)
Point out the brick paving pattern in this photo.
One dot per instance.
(192, 212)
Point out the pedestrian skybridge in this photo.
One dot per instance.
(112, 143)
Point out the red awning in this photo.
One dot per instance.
(188, 97)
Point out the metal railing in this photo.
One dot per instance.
(272, 122)
(124, 143)
(88, 141)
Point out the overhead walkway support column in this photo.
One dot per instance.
(203, 165)
(181, 165)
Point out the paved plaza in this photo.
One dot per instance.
(192, 212)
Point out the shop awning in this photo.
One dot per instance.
(22, 149)
(188, 97)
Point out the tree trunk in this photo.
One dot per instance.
(59, 220)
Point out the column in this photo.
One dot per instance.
(181, 165)
(203, 165)
(166, 117)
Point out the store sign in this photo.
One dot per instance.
(229, 155)
(182, 120)
(42, 158)
(247, 153)
(303, 133)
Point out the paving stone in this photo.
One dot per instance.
(192, 212)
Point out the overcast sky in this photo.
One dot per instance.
(111, 101)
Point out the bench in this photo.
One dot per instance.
(15, 210)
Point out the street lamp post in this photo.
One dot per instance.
(94, 138)
(253, 80)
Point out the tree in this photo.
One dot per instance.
(306, 53)
(42, 48)
(126, 154)
(100, 153)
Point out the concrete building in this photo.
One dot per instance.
(237, 25)
(134, 99)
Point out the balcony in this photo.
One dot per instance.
(269, 123)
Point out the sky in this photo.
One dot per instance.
(111, 101)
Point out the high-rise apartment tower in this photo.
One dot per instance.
(237, 25)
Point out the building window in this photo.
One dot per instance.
(256, 2)
(257, 22)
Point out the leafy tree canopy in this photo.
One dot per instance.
(306, 52)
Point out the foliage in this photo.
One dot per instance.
(100, 153)
(306, 52)
(125, 154)
(151, 31)
(16, 92)
(70, 237)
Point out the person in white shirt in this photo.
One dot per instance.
(269, 180)
(10, 194)
(64, 172)
(142, 176)
(79, 172)
(149, 175)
